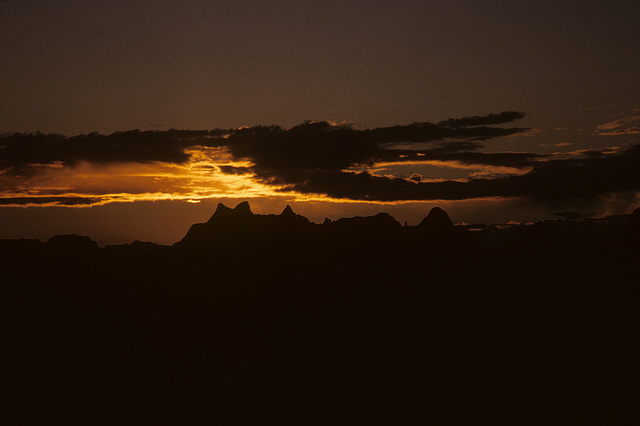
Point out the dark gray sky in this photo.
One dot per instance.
(81, 66)
(75, 67)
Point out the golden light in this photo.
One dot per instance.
(197, 179)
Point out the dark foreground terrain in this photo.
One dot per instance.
(271, 319)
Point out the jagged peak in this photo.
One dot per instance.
(438, 219)
(221, 210)
(288, 211)
(243, 208)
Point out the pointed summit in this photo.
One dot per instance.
(437, 219)
(221, 211)
(288, 211)
(243, 208)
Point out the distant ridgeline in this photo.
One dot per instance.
(238, 233)
(272, 319)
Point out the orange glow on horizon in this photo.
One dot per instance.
(201, 177)
(194, 181)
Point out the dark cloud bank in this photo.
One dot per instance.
(316, 158)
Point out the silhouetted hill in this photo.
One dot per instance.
(20, 246)
(72, 242)
(362, 230)
(437, 221)
(272, 319)
(437, 237)
(241, 226)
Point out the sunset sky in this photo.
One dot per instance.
(496, 111)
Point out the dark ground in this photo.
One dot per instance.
(270, 320)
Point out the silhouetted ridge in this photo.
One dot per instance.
(223, 212)
(288, 211)
(633, 227)
(288, 218)
(240, 225)
(378, 222)
(360, 233)
(621, 247)
(136, 245)
(342, 317)
(437, 219)
(243, 209)
(20, 247)
(72, 242)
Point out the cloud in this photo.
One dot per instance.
(552, 179)
(505, 159)
(572, 215)
(628, 131)
(614, 128)
(618, 123)
(22, 150)
(320, 144)
(323, 146)
(233, 170)
(314, 158)
(485, 120)
(60, 201)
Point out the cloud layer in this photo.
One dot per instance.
(322, 158)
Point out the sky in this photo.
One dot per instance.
(127, 120)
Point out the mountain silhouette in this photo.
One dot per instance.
(271, 318)
(240, 226)
(437, 221)
(72, 242)
(241, 211)
(363, 228)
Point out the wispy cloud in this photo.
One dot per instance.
(635, 130)
(483, 120)
(617, 123)
(613, 128)
(40, 201)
